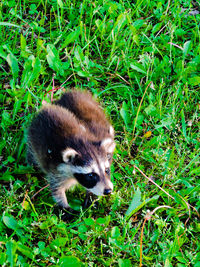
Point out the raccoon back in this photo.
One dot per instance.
(87, 110)
(51, 131)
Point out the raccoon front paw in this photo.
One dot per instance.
(67, 214)
(89, 199)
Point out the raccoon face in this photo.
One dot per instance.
(91, 169)
(96, 178)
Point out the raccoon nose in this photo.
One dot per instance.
(107, 191)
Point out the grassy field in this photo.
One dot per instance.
(142, 61)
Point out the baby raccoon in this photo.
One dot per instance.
(72, 142)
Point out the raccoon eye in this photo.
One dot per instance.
(107, 171)
(49, 151)
(91, 175)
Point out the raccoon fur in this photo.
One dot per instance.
(72, 142)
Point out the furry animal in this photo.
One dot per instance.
(72, 142)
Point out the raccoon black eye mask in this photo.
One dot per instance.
(72, 142)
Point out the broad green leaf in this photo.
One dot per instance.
(140, 120)
(26, 72)
(138, 23)
(182, 260)
(60, 242)
(32, 70)
(7, 177)
(186, 48)
(76, 204)
(89, 221)
(194, 80)
(10, 159)
(82, 73)
(33, 9)
(26, 251)
(120, 23)
(78, 53)
(180, 32)
(124, 263)
(23, 42)
(138, 67)
(82, 228)
(150, 110)
(11, 247)
(124, 112)
(5, 119)
(40, 45)
(24, 53)
(2, 258)
(36, 70)
(69, 261)
(41, 245)
(101, 220)
(54, 60)
(46, 224)
(13, 63)
(166, 122)
(16, 108)
(115, 232)
(10, 222)
(156, 28)
(70, 38)
(135, 203)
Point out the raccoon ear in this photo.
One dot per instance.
(108, 144)
(111, 131)
(69, 154)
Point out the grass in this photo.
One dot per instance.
(142, 60)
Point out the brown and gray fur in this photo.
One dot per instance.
(72, 142)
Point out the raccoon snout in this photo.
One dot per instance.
(107, 191)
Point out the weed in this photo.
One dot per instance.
(142, 61)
